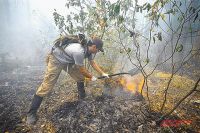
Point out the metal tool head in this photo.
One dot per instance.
(134, 71)
(130, 72)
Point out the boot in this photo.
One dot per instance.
(81, 90)
(31, 116)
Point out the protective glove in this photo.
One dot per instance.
(93, 78)
(105, 75)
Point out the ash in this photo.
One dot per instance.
(61, 112)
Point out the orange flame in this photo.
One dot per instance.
(132, 84)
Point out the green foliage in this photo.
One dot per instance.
(139, 8)
(128, 50)
(93, 18)
(114, 10)
(179, 48)
(180, 18)
(162, 16)
(170, 11)
(146, 6)
(120, 19)
(59, 19)
(159, 36)
(147, 60)
(117, 9)
(105, 19)
(154, 39)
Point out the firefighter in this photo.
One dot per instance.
(71, 60)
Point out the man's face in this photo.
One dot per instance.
(93, 49)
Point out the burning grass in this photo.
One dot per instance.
(157, 85)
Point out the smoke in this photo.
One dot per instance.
(27, 30)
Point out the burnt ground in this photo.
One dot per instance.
(61, 111)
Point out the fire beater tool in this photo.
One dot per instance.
(130, 72)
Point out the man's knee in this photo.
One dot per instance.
(44, 89)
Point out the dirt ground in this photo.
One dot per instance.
(62, 112)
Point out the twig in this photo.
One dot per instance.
(187, 95)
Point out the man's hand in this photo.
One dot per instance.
(105, 75)
(93, 78)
